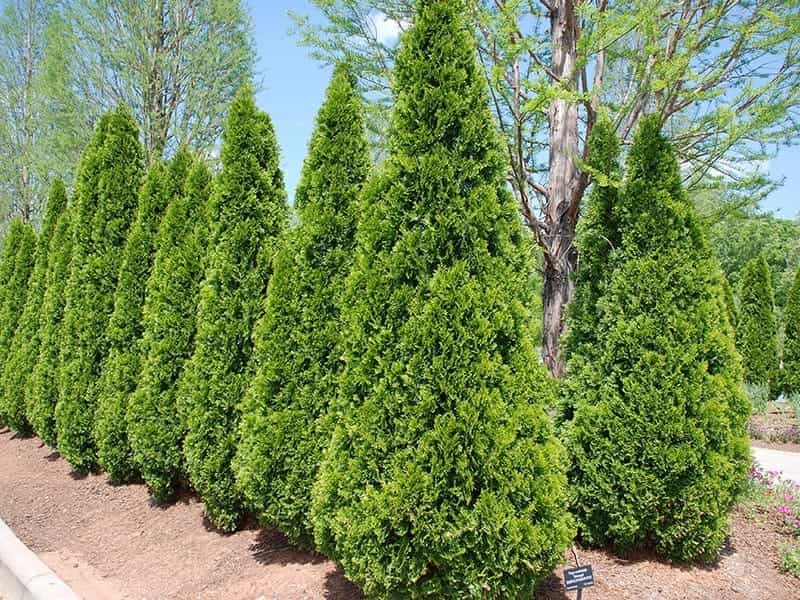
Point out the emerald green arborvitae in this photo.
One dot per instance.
(658, 441)
(10, 247)
(155, 429)
(248, 211)
(24, 350)
(757, 329)
(42, 392)
(15, 294)
(297, 341)
(121, 369)
(107, 190)
(443, 477)
(791, 340)
(730, 302)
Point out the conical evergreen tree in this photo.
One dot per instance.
(443, 478)
(10, 247)
(108, 186)
(282, 437)
(791, 340)
(24, 350)
(42, 392)
(15, 295)
(155, 428)
(249, 211)
(658, 440)
(757, 329)
(121, 369)
(730, 302)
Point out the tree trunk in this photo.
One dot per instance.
(565, 187)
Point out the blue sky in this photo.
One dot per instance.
(294, 86)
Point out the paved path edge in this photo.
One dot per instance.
(23, 576)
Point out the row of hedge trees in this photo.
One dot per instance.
(367, 380)
(757, 331)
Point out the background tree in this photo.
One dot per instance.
(122, 366)
(248, 212)
(791, 343)
(42, 128)
(722, 76)
(13, 303)
(757, 330)
(10, 247)
(42, 392)
(443, 452)
(658, 440)
(297, 341)
(107, 191)
(24, 350)
(155, 428)
(176, 64)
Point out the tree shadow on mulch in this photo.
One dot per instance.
(337, 587)
(271, 547)
(649, 555)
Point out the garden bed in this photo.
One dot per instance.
(777, 426)
(111, 542)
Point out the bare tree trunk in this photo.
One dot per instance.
(565, 189)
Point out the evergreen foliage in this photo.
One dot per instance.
(121, 369)
(107, 190)
(443, 477)
(791, 340)
(15, 293)
(24, 349)
(757, 329)
(297, 340)
(42, 393)
(248, 211)
(155, 428)
(658, 439)
(730, 302)
(10, 246)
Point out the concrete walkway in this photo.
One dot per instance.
(788, 463)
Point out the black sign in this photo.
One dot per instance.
(578, 578)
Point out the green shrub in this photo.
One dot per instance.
(443, 477)
(42, 392)
(658, 440)
(757, 331)
(758, 393)
(730, 302)
(107, 190)
(248, 211)
(155, 429)
(794, 402)
(297, 360)
(15, 293)
(121, 368)
(791, 340)
(790, 558)
(24, 350)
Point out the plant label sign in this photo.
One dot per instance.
(578, 578)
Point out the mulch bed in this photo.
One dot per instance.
(778, 425)
(113, 543)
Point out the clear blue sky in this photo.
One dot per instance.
(294, 86)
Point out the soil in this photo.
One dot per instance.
(778, 425)
(111, 542)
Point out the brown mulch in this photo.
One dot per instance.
(110, 542)
(778, 426)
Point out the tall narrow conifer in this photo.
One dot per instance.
(248, 211)
(658, 439)
(297, 341)
(443, 477)
(791, 340)
(757, 330)
(15, 294)
(122, 366)
(155, 427)
(107, 192)
(24, 350)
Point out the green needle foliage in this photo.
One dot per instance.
(122, 366)
(658, 439)
(155, 428)
(297, 340)
(42, 393)
(757, 329)
(443, 477)
(14, 297)
(10, 247)
(25, 344)
(107, 191)
(249, 212)
(791, 341)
